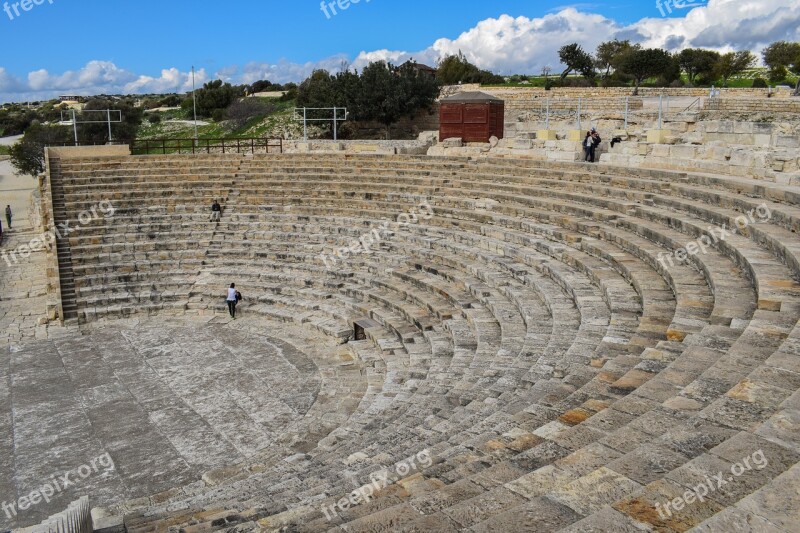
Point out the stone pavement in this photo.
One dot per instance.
(167, 400)
(23, 291)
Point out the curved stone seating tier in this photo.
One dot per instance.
(530, 335)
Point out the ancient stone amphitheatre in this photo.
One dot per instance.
(426, 344)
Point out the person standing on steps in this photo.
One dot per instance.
(216, 211)
(232, 300)
(596, 140)
(588, 148)
(8, 215)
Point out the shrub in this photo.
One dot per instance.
(172, 100)
(578, 82)
(218, 115)
(245, 109)
(778, 74)
(759, 83)
(289, 95)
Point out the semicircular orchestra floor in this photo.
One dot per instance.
(153, 404)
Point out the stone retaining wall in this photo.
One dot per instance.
(509, 93)
(72, 152)
(570, 104)
(753, 105)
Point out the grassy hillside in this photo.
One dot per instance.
(275, 123)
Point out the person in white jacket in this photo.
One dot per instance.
(232, 300)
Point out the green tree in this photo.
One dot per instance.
(698, 62)
(455, 69)
(15, 120)
(781, 54)
(734, 63)
(576, 60)
(132, 117)
(213, 96)
(781, 57)
(419, 90)
(645, 63)
(319, 90)
(171, 100)
(27, 155)
(671, 76)
(778, 74)
(388, 94)
(609, 53)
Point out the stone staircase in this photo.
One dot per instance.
(66, 275)
(529, 338)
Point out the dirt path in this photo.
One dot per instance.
(16, 191)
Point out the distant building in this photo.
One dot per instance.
(69, 98)
(421, 69)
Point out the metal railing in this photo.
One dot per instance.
(206, 146)
(196, 146)
(628, 108)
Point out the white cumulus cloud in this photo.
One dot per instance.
(505, 45)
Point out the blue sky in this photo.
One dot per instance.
(86, 46)
(143, 35)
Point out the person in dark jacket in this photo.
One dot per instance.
(588, 147)
(8, 216)
(596, 140)
(216, 211)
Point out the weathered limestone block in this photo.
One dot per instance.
(683, 151)
(576, 135)
(660, 150)
(787, 141)
(658, 136)
(523, 144)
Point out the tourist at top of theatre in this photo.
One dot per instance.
(590, 144)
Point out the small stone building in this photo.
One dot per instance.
(473, 116)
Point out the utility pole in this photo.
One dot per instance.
(75, 127)
(194, 103)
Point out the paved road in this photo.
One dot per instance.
(8, 141)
